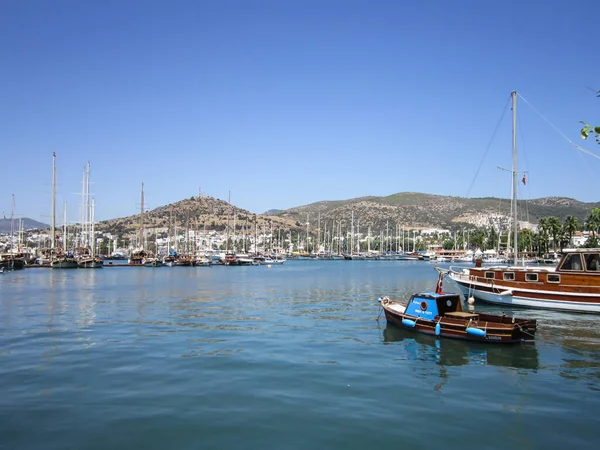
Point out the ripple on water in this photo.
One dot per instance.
(285, 357)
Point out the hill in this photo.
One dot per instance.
(418, 210)
(28, 224)
(408, 209)
(194, 212)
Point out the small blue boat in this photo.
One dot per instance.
(441, 314)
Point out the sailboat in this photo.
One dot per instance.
(11, 260)
(61, 259)
(88, 259)
(574, 285)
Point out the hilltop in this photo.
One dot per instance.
(197, 211)
(418, 210)
(408, 209)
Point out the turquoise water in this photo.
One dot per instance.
(285, 357)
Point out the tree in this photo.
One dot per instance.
(592, 222)
(589, 129)
(492, 240)
(555, 228)
(570, 227)
(543, 229)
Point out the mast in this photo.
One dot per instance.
(227, 226)
(82, 237)
(514, 174)
(352, 233)
(12, 227)
(88, 209)
(142, 219)
(93, 238)
(53, 226)
(65, 228)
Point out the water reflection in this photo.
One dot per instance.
(450, 352)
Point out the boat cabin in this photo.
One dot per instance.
(580, 260)
(429, 305)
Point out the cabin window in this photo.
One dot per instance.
(553, 278)
(489, 275)
(531, 277)
(572, 262)
(591, 262)
(509, 276)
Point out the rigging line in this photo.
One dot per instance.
(581, 149)
(488, 147)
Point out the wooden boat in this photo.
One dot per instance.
(574, 285)
(90, 262)
(9, 261)
(152, 262)
(64, 261)
(441, 314)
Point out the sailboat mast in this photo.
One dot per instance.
(142, 220)
(93, 237)
(12, 227)
(53, 226)
(514, 174)
(65, 228)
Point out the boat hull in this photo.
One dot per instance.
(12, 264)
(64, 264)
(90, 264)
(475, 327)
(530, 298)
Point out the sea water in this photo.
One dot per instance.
(282, 357)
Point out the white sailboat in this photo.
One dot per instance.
(87, 258)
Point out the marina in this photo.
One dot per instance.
(299, 225)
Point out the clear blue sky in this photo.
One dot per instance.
(285, 103)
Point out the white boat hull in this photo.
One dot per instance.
(524, 298)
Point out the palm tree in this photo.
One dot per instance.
(592, 223)
(555, 228)
(570, 227)
(543, 228)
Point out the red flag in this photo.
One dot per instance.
(524, 180)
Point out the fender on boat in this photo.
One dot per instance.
(438, 329)
(476, 331)
(409, 323)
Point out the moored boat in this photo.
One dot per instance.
(441, 314)
(90, 262)
(574, 285)
(64, 261)
(152, 262)
(9, 261)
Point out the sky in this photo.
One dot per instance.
(286, 103)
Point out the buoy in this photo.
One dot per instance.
(409, 323)
(476, 331)
(471, 301)
(269, 266)
(438, 329)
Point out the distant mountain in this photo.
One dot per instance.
(413, 209)
(28, 224)
(408, 209)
